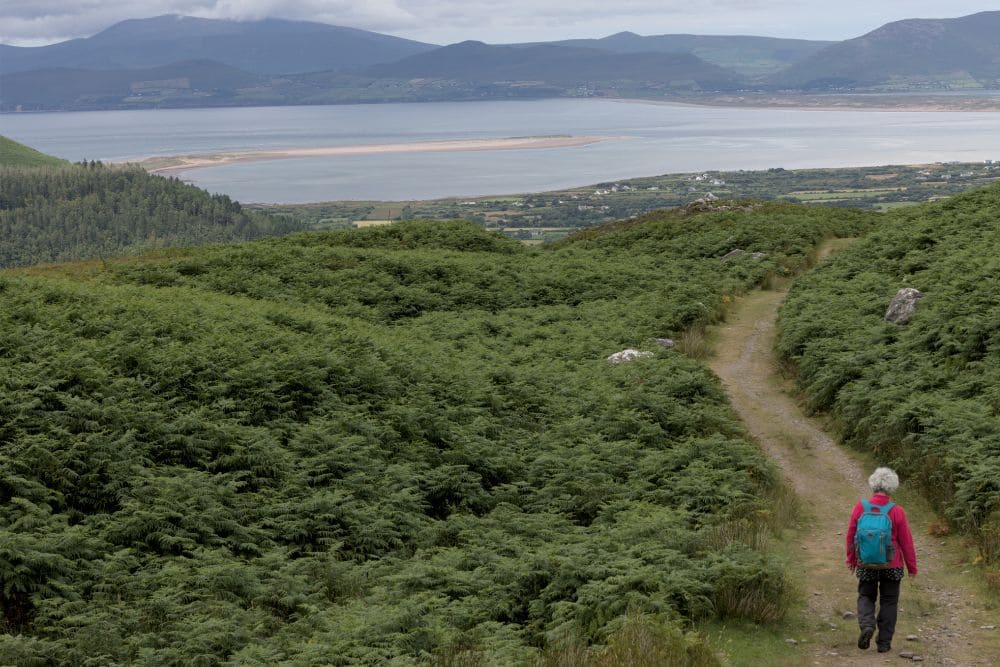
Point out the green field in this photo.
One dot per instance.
(548, 216)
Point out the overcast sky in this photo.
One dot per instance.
(36, 22)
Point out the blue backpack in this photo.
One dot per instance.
(873, 540)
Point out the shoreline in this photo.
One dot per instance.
(937, 165)
(172, 163)
(875, 102)
(987, 100)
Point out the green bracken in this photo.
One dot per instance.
(923, 397)
(400, 445)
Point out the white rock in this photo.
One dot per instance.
(903, 305)
(628, 355)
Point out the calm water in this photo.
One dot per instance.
(651, 138)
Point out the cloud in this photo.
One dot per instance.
(46, 21)
(42, 21)
(535, 19)
(370, 14)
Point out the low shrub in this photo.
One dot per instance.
(387, 447)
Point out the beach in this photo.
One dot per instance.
(900, 102)
(170, 163)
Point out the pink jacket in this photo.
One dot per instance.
(901, 537)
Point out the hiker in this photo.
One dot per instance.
(877, 561)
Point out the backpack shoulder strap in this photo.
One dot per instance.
(866, 507)
(887, 507)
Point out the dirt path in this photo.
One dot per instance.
(941, 606)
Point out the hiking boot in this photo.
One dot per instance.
(884, 648)
(865, 639)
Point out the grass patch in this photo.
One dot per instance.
(743, 644)
(640, 641)
(14, 154)
(695, 343)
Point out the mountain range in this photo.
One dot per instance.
(185, 61)
(267, 47)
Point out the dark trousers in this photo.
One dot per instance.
(886, 591)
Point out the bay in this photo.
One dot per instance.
(642, 139)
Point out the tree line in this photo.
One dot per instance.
(91, 211)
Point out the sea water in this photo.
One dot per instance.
(643, 139)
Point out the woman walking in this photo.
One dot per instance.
(878, 561)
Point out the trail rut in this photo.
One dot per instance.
(944, 610)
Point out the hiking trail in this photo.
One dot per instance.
(942, 606)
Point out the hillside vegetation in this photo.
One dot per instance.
(399, 444)
(745, 55)
(90, 211)
(14, 154)
(924, 397)
(200, 83)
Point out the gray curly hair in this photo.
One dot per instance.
(884, 480)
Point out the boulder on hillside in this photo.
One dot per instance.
(903, 305)
(628, 355)
(739, 252)
(664, 342)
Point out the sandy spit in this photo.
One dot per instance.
(164, 164)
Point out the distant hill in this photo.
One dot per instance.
(14, 154)
(195, 83)
(746, 55)
(555, 64)
(957, 53)
(270, 46)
